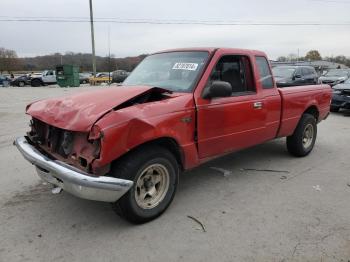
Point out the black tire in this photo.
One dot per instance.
(36, 82)
(21, 84)
(334, 109)
(84, 82)
(295, 143)
(132, 167)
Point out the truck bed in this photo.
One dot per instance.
(293, 105)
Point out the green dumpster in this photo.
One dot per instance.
(67, 75)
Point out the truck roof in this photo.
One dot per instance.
(213, 49)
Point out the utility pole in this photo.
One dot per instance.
(92, 39)
(298, 57)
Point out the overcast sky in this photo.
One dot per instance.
(39, 38)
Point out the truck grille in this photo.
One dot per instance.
(71, 147)
(337, 102)
(55, 139)
(345, 92)
(327, 81)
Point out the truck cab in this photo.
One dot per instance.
(49, 77)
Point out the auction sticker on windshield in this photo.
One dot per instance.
(185, 66)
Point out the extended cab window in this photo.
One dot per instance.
(236, 70)
(265, 76)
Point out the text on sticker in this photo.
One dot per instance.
(185, 66)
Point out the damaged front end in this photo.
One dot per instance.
(78, 149)
(68, 147)
(64, 159)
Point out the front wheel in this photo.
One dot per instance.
(154, 171)
(303, 139)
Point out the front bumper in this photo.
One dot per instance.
(328, 83)
(71, 179)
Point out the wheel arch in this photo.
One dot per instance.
(168, 143)
(312, 110)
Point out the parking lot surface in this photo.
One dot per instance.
(260, 204)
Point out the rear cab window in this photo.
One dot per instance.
(265, 75)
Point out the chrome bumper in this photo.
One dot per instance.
(73, 180)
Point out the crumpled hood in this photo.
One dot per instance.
(80, 111)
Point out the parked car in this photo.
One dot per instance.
(100, 78)
(4, 80)
(84, 78)
(119, 76)
(334, 77)
(45, 78)
(178, 109)
(21, 81)
(341, 96)
(294, 75)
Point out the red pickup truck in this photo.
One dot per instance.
(178, 109)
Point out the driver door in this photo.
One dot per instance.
(231, 123)
(50, 77)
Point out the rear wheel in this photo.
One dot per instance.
(303, 139)
(154, 171)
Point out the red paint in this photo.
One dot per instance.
(220, 125)
(297, 100)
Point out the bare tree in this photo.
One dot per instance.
(282, 59)
(8, 60)
(292, 57)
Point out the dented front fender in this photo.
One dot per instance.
(128, 128)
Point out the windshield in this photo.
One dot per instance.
(284, 72)
(337, 72)
(175, 71)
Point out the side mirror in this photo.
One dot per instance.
(218, 89)
(297, 76)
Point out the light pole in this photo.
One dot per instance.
(92, 39)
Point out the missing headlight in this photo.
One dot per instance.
(67, 142)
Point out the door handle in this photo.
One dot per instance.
(258, 105)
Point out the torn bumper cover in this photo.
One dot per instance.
(73, 180)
